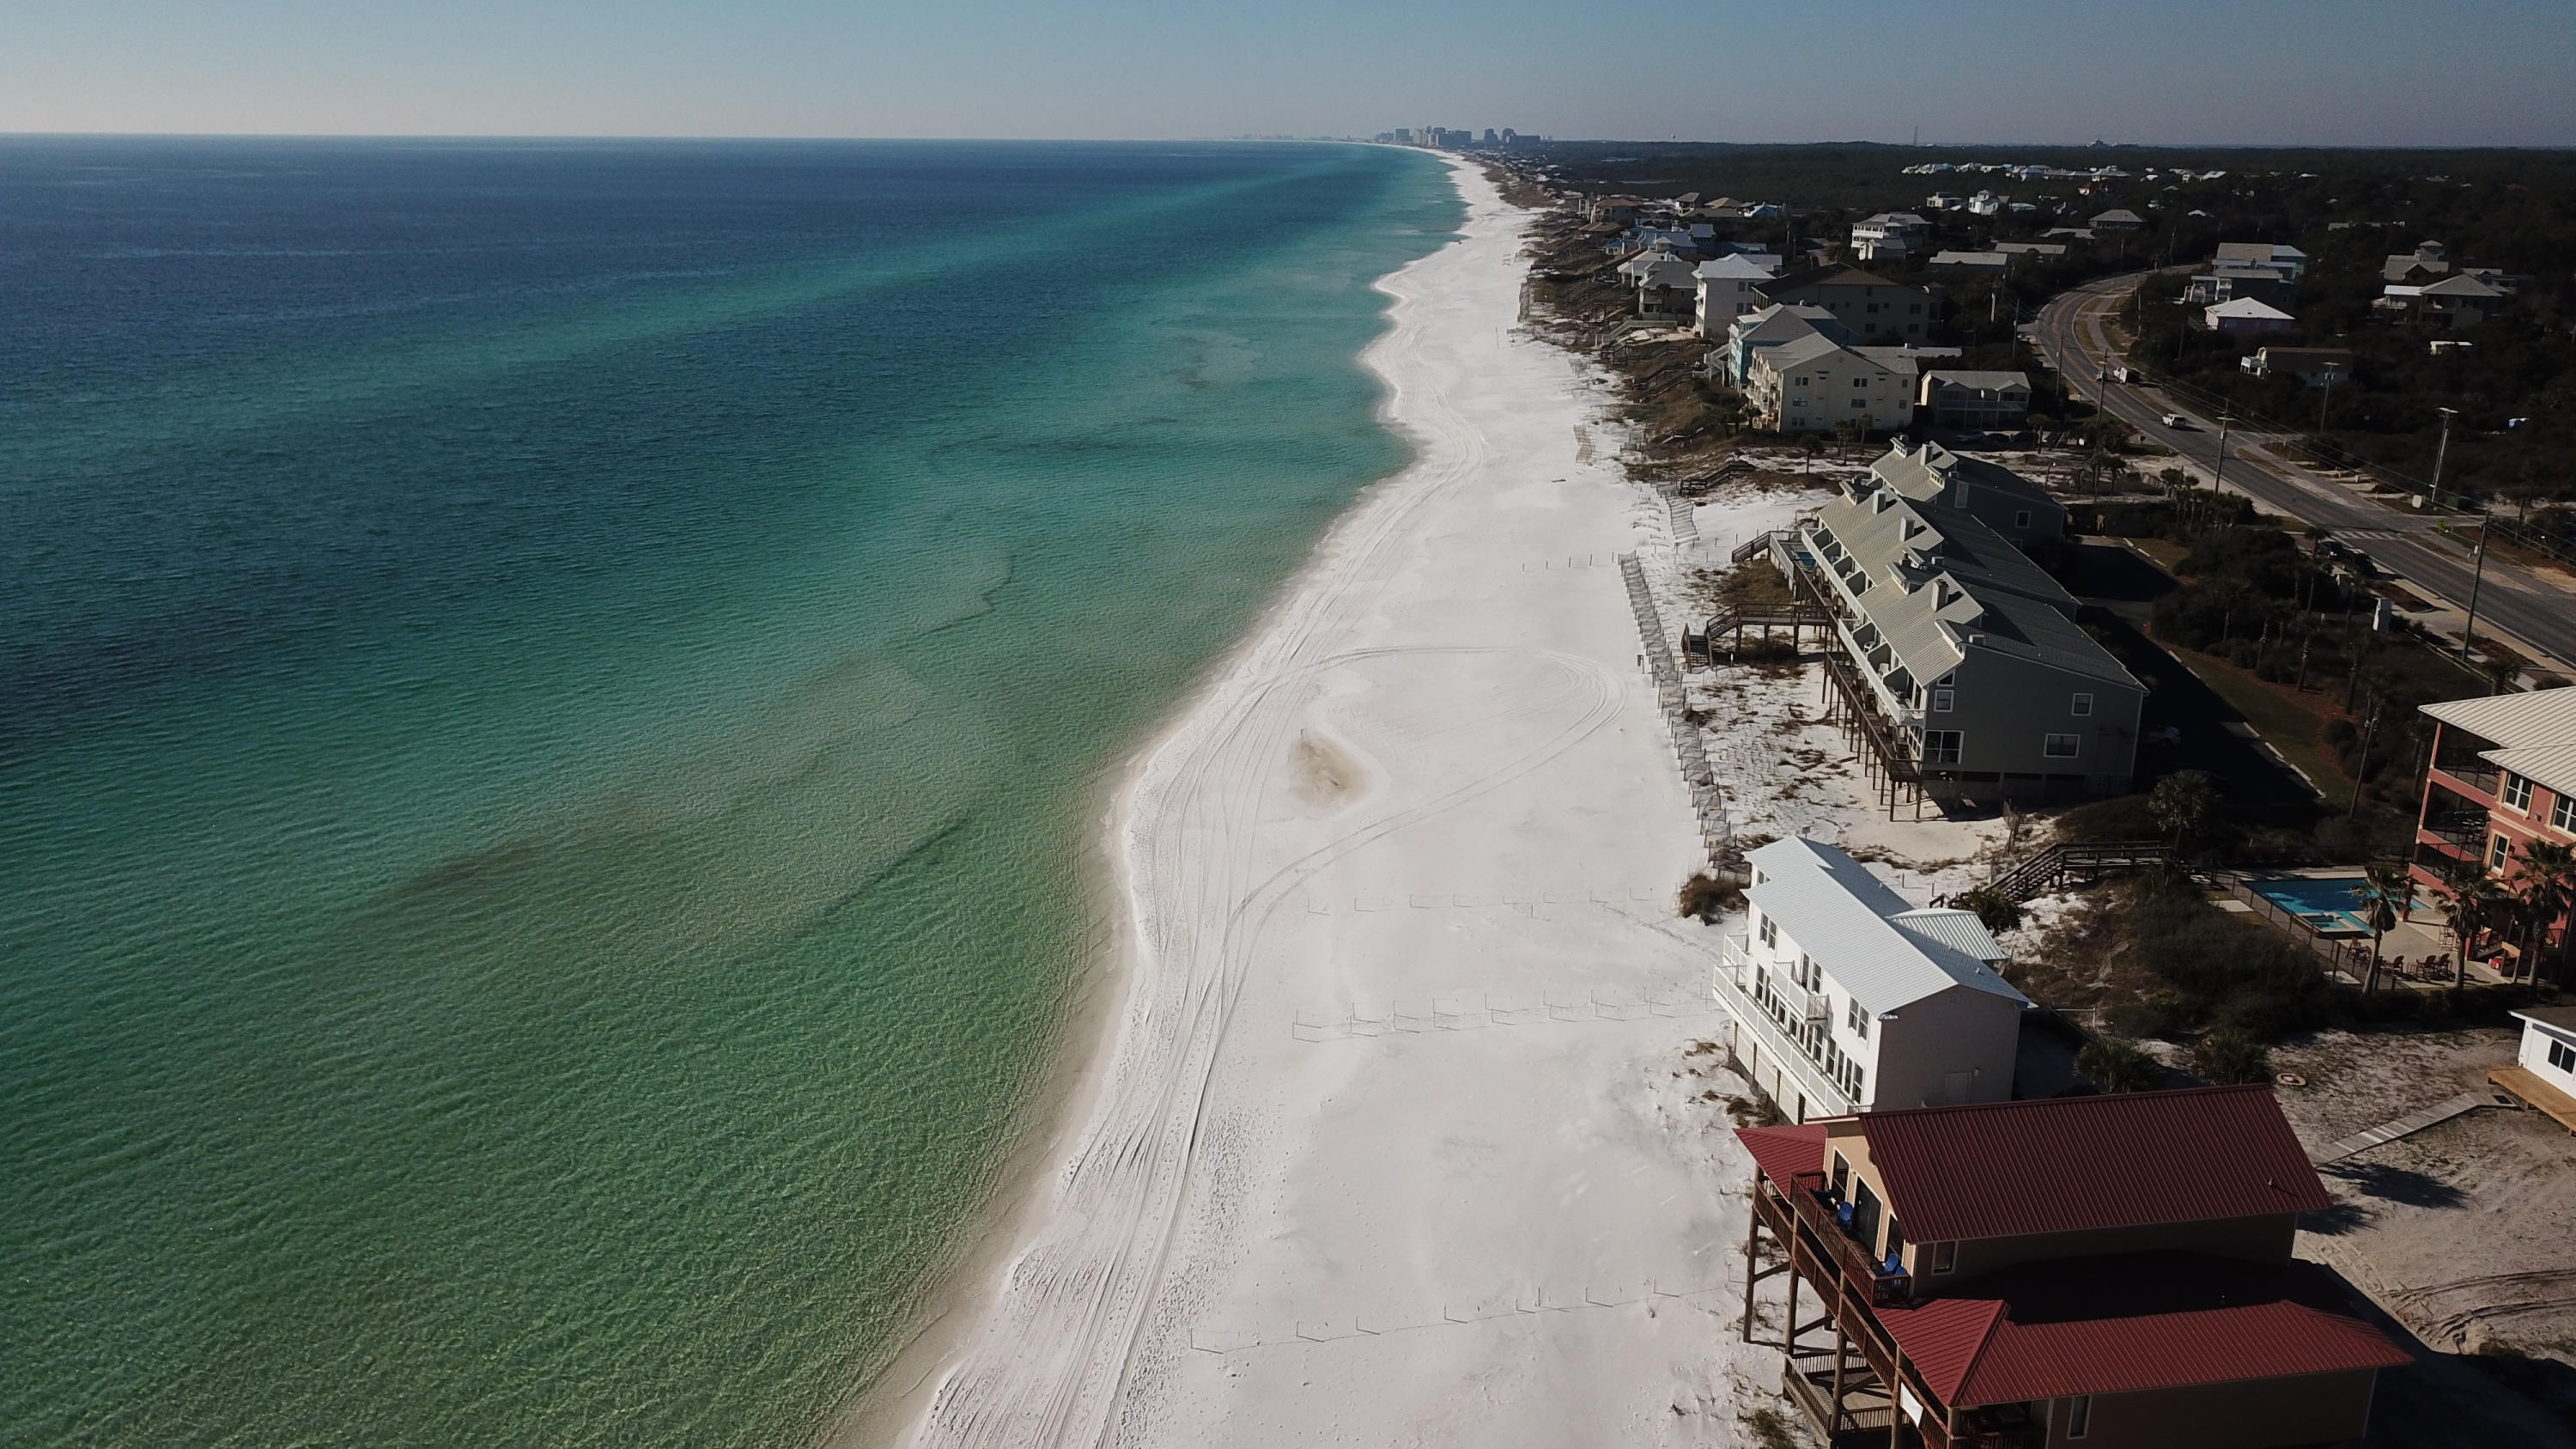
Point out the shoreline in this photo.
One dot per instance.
(890, 1410)
(1433, 702)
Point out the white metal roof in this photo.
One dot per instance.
(2554, 766)
(1959, 930)
(2514, 721)
(1849, 921)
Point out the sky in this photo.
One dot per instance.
(2320, 72)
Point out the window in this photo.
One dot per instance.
(2499, 851)
(1914, 307)
(2022, 519)
(1860, 382)
(2562, 816)
(2061, 747)
(1770, 932)
(1945, 1257)
(2079, 1417)
(1797, 382)
(1942, 699)
(2562, 1056)
(1842, 1175)
(1940, 747)
(2083, 705)
(1858, 1020)
(1860, 402)
(2517, 790)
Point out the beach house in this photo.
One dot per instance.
(1960, 659)
(2501, 778)
(2106, 1272)
(1874, 308)
(1889, 236)
(1814, 384)
(2002, 499)
(2245, 317)
(1772, 326)
(2458, 301)
(2287, 259)
(1969, 398)
(1844, 997)
(1726, 290)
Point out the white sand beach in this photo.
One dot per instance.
(1402, 1140)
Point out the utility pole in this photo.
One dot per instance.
(2324, 395)
(2361, 762)
(2218, 474)
(2441, 454)
(2477, 580)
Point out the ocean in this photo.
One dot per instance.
(554, 706)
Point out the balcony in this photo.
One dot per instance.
(1818, 1213)
(1772, 1023)
(2463, 830)
(2474, 778)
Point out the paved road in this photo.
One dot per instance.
(2070, 332)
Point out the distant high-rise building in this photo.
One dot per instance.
(1490, 138)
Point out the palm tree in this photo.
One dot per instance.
(2385, 889)
(2182, 803)
(2471, 896)
(2546, 891)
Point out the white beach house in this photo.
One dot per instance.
(1846, 998)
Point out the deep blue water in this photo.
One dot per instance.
(551, 704)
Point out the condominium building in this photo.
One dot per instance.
(1967, 653)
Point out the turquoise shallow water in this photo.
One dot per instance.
(549, 727)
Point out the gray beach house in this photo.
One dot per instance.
(1970, 653)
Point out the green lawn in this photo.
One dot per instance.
(2288, 721)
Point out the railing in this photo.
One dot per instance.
(2055, 864)
(2479, 776)
(1852, 1288)
(1736, 993)
(1758, 543)
(2348, 959)
(2463, 830)
(1805, 1194)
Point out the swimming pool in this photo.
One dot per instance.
(2325, 903)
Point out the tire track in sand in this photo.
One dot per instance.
(1061, 1341)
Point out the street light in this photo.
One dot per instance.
(2441, 454)
(2218, 474)
(2477, 580)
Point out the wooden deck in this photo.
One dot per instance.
(2530, 1088)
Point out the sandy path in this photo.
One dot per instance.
(1399, 1142)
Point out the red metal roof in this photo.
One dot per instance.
(1784, 1151)
(2003, 1169)
(2132, 1322)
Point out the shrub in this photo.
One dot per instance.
(2123, 817)
(2119, 1066)
(1707, 897)
(2228, 1055)
(1998, 912)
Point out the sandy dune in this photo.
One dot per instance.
(1401, 1141)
